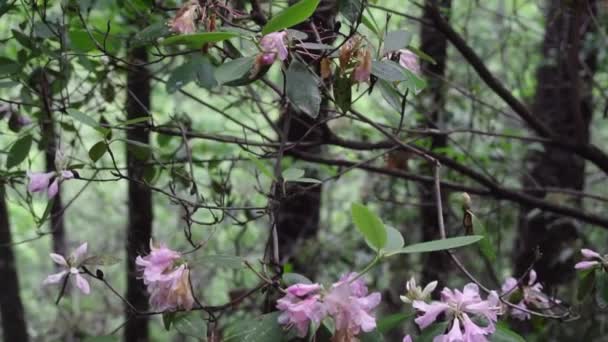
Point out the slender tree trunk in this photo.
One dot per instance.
(140, 196)
(50, 139)
(563, 102)
(297, 214)
(11, 309)
(435, 45)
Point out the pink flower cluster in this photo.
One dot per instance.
(531, 293)
(460, 307)
(168, 281)
(592, 259)
(71, 265)
(39, 181)
(273, 46)
(347, 302)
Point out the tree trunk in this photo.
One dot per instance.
(140, 196)
(563, 102)
(50, 148)
(435, 45)
(297, 214)
(11, 309)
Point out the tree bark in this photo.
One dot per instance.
(11, 310)
(50, 139)
(563, 103)
(297, 213)
(139, 229)
(435, 45)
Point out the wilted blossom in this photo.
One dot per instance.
(459, 307)
(167, 279)
(592, 259)
(531, 293)
(186, 18)
(300, 306)
(273, 46)
(409, 60)
(347, 302)
(416, 292)
(39, 181)
(71, 266)
(363, 69)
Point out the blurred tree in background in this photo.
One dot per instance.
(195, 170)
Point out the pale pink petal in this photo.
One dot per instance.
(303, 289)
(409, 60)
(430, 312)
(532, 277)
(509, 285)
(590, 254)
(53, 188)
(67, 174)
(59, 259)
(54, 278)
(583, 265)
(39, 181)
(82, 284)
(80, 252)
(407, 338)
(454, 335)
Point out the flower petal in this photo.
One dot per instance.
(80, 252)
(590, 254)
(430, 312)
(54, 278)
(59, 259)
(82, 284)
(39, 180)
(583, 265)
(53, 188)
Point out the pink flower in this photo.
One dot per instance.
(350, 305)
(154, 265)
(407, 338)
(363, 69)
(71, 266)
(273, 46)
(300, 306)
(593, 259)
(409, 60)
(173, 292)
(458, 306)
(185, 19)
(531, 294)
(39, 181)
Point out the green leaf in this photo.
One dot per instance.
(225, 261)
(439, 245)
(234, 70)
(372, 336)
(205, 72)
(24, 40)
(81, 41)
(388, 71)
(295, 278)
(302, 89)
(292, 174)
(369, 225)
(485, 245)
(191, 324)
(390, 94)
(19, 151)
(601, 289)
(261, 166)
(585, 284)
(8, 66)
(87, 120)
(396, 40)
(394, 240)
(139, 149)
(428, 334)
(265, 328)
(343, 92)
(291, 16)
(98, 150)
(135, 121)
(168, 318)
(504, 334)
(393, 321)
(196, 40)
